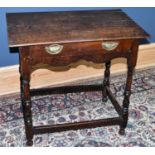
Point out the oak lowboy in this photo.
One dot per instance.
(62, 38)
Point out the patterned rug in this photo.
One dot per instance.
(73, 107)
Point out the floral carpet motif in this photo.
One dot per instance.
(74, 107)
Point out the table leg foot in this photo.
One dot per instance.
(104, 99)
(122, 131)
(29, 143)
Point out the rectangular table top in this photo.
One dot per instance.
(26, 29)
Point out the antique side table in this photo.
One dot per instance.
(61, 38)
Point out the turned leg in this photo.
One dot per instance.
(106, 81)
(126, 101)
(26, 101)
(131, 63)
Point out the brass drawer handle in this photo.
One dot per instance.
(54, 49)
(109, 45)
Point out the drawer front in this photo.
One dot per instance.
(64, 54)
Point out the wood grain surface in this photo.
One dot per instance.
(72, 26)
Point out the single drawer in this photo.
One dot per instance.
(66, 53)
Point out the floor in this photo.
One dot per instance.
(53, 109)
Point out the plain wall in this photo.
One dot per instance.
(145, 17)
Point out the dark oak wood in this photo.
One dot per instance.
(114, 101)
(131, 63)
(106, 81)
(71, 26)
(72, 52)
(26, 98)
(65, 89)
(97, 36)
(77, 125)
